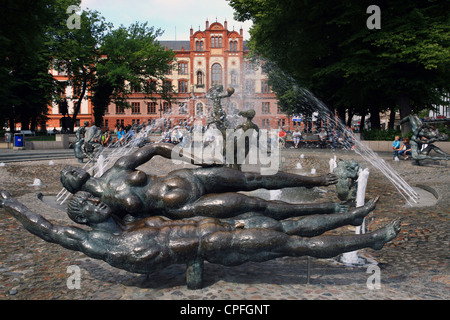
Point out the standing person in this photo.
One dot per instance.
(297, 136)
(396, 146)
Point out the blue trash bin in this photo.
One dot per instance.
(18, 140)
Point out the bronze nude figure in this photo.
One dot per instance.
(205, 191)
(156, 242)
(422, 140)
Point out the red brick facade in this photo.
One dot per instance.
(215, 55)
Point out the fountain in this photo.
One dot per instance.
(213, 213)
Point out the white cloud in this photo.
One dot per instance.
(168, 14)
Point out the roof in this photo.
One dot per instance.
(176, 44)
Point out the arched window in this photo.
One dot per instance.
(216, 74)
(201, 45)
(220, 42)
(197, 45)
(233, 45)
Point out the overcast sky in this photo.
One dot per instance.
(174, 17)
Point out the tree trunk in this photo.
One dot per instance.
(77, 106)
(341, 114)
(362, 122)
(350, 118)
(375, 117)
(391, 118)
(403, 102)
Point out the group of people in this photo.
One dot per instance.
(334, 137)
(176, 135)
(401, 148)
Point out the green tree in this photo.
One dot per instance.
(24, 60)
(327, 48)
(132, 60)
(77, 52)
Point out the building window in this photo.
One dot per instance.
(199, 45)
(249, 67)
(216, 42)
(249, 86)
(120, 109)
(216, 71)
(183, 68)
(169, 70)
(151, 107)
(265, 86)
(279, 109)
(167, 108)
(199, 109)
(167, 86)
(182, 86)
(233, 45)
(135, 107)
(265, 107)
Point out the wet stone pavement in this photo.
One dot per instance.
(413, 266)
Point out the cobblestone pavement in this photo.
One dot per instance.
(413, 266)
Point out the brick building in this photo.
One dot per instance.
(215, 55)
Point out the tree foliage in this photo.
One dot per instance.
(27, 86)
(131, 59)
(327, 48)
(103, 63)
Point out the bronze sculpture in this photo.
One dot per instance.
(347, 172)
(422, 140)
(206, 191)
(154, 243)
(88, 142)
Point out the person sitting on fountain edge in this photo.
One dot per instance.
(210, 191)
(158, 242)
